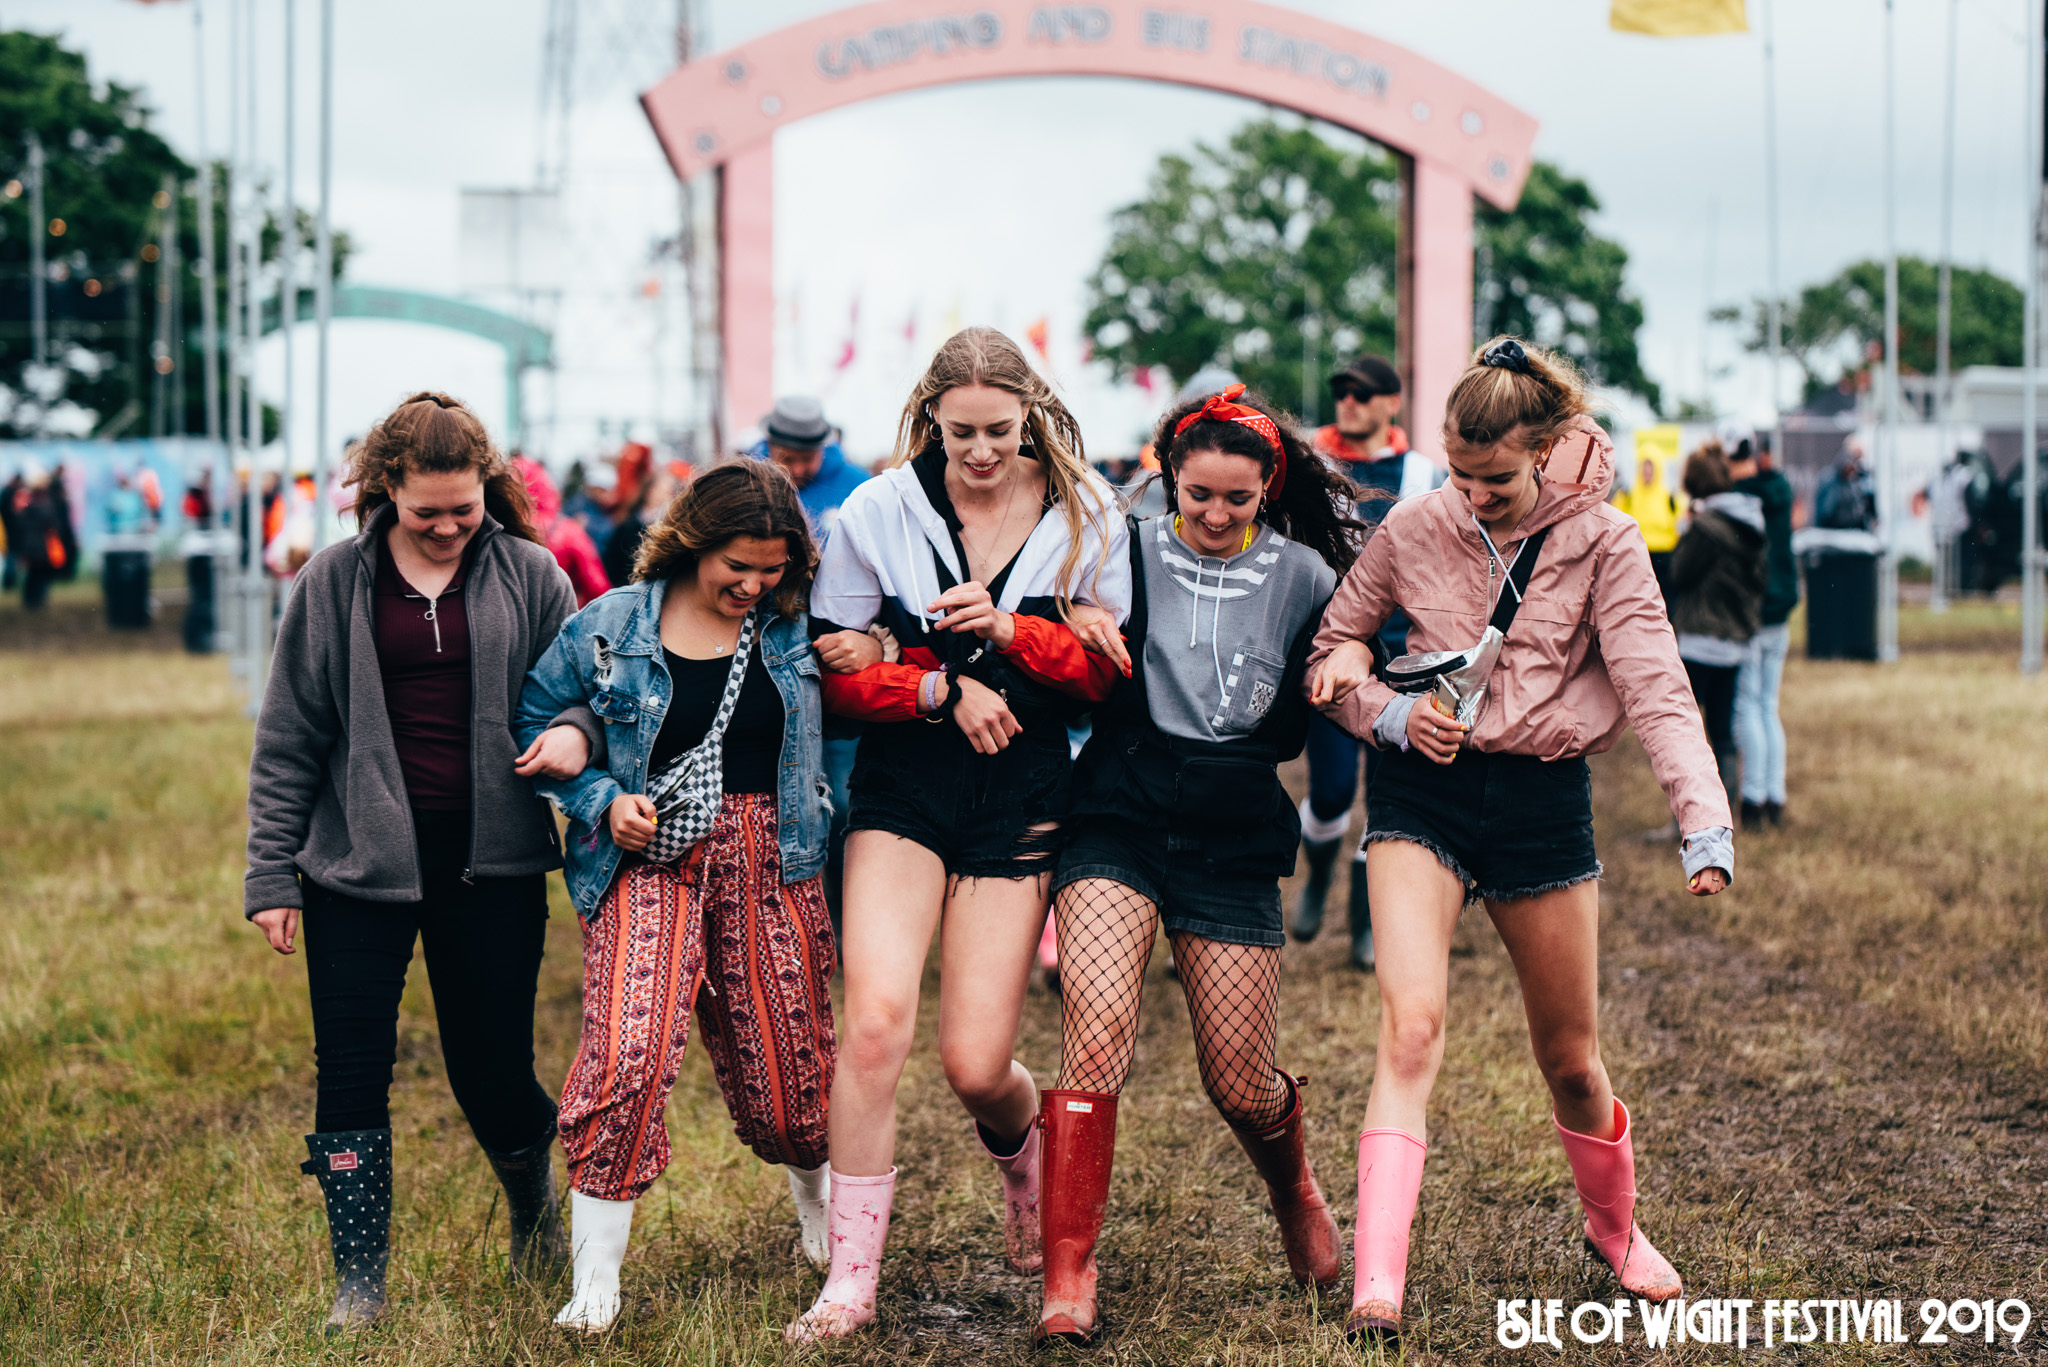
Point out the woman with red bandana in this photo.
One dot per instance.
(1182, 821)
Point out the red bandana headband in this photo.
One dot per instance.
(1221, 408)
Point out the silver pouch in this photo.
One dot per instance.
(1455, 680)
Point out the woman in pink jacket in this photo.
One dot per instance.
(1497, 806)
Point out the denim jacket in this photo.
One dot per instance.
(608, 658)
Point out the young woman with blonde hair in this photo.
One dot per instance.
(387, 806)
(1492, 801)
(708, 646)
(985, 529)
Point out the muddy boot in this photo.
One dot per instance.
(540, 1246)
(1604, 1171)
(1079, 1150)
(1361, 919)
(1389, 1181)
(354, 1171)
(1315, 1250)
(1321, 857)
(1019, 1172)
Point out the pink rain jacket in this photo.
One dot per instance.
(1590, 652)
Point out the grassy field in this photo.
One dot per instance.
(1837, 1073)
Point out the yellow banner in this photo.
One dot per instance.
(1678, 18)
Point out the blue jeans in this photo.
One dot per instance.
(1758, 731)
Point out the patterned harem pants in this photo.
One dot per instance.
(719, 932)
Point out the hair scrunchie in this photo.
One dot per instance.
(1506, 354)
(1224, 408)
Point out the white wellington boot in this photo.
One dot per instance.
(598, 1231)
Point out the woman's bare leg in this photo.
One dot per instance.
(1415, 905)
(894, 891)
(1554, 940)
(990, 935)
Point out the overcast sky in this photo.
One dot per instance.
(990, 202)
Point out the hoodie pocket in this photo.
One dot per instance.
(1251, 685)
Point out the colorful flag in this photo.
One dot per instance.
(846, 350)
(1039, 334)
(1678, 18)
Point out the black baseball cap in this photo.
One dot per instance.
(1373, 374)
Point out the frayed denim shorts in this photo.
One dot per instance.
(1509, 826)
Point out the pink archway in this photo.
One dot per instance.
(1456, 139)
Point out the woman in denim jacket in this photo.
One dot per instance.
(735, 932)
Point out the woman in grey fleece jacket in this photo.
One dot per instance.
(387, 804)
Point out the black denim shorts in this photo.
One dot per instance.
(1168, 869)
(980, 814)
(1509, 826)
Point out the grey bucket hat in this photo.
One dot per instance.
(797, 422)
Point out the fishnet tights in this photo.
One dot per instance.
(1106, 934)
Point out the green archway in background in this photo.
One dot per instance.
(525, 345)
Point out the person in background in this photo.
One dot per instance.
(389, 806)
(1366, 447)
(1655, 509)
(800, 440)
(1718, 576)
(806, 446)
(39, 536)
(125, 555)
(1759, 733)
(1844, 501)
(197, 546)
(564, 536)
(10, 535)
(623, 545)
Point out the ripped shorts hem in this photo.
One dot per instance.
(1538, 889)
(1443, 856)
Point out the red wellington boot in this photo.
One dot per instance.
(1078, 1149)
(1315, 1250)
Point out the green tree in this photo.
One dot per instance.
(1541, 272)
(103, 170)
(1233, 248)
(1836, 328)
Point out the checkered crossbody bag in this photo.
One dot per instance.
(686, 795)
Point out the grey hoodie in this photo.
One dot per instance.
(326, 795)
(1218, 630)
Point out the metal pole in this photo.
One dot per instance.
(323, 274)
(209, 303)
(2030, 349)
(38, 273)
(232, 427)
(1776, 322)
(1888, 461)
(1943, 541)
(252, 401)
(288, 240)
(164, 361)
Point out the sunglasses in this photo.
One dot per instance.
(1347, 389)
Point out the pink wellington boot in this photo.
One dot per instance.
(1604, 1171)
(859, 1228)
(1389, 1181)
(1020, 1197)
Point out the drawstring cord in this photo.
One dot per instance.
(1504, 565)
(1215, 617)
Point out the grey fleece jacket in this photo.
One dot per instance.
(327, 797)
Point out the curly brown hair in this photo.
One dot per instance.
(432, 433)
(744, 497)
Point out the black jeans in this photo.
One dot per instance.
(483, 941)
(1713, 688)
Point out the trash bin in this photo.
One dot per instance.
(1841, 591)
(124, 579)
(202, 614)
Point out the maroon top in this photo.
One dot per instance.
(423, 652)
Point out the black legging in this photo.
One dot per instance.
(1713, 688)
(483, 943)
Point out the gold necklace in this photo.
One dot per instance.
(1002, 528)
